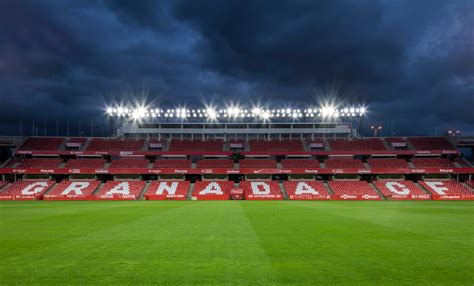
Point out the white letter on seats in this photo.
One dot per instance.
(437, 187)
(76, 187)
(403, 189)
(34, 188)
(305, 188)
(122, 188)
(212, 188)
(258, 186)
(171, 190)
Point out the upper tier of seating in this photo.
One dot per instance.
(99, 144)
(432, 163)
(78, 163)
(196, 145)
(450, 188)
(395, 142)
(276, 145)
(342, 163)
(374, 144)
(387, 163)
(43, 163)
(172, 163)
(130, 162)
(42, 143)
(76, 142)
(430, 143)
(257, 163)
(215, 163)
(300, 163)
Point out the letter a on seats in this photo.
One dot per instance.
(171, 190)
(392, 187)
(76, 187)
(34, 188)
(260, 188)
(305, 188)
(122, 188)
(212, 188)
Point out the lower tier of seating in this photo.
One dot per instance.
(306, 190)
(401, 190)
(167, 190)
(447, 189)
(353, 190)
(121, 190)
(72, 190)
(26, 190)
(264, 190)
(212, 190)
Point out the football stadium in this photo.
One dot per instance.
(237, 196)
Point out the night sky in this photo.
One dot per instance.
(411, 62)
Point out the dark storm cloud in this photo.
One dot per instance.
(411, 61)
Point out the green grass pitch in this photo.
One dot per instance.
(232, 242)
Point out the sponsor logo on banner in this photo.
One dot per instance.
(180, 171)
(399, 144)
(101, 153)
(24, 152)
(257, 171)
(311, 171)
(155, 145)
(345, 196)
(126, 153)
(75, 171)
(368, 197)
(418, 170)
(73, 144)
(284, 171)
(232, 171)
(47, 171)
(423, 152)
(76, 152)
(207, 171)
(236, 145)
(449, 152)
(446, 170)
(316, 145)
(154, 171)
(363, 171)
(337, 171)
(19, 171)
(101, 171)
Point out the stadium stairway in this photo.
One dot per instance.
(387, 145)
(50, 188)
(366, 165)
(421, 188)
(190, 191)
(102, 184)
(283, 191)
(410, 165)
(468, 187)
(328, 188)
(377, 191)
(145, 189)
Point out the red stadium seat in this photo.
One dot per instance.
(343, 163)
(430, 143)
(353, 190)
(25, 190)
(172, 164)
(106, 145)
(41, 163)
(130, 162)
(96, 163)
(357, 144)
(167, 190)
(387, 163)
(42, 143)
(300, 163)
(276, 145)
(432, 163)
(212, 190)
(447, 190)
(72, 190)
(268, 190)
(215, 163)
(196, 145)
(306, 190)
(401, 190)
(127, 190)
(257, 163)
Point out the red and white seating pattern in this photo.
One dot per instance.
(300, 163)
(130, 162)
(215, 163)
(401, 190)
(257, 163)
(25, 190)
(42, 163)
(276, 145)
(105, 145)
(196, 145)
(430, 143)
(79, 163)
(40, 143)
(212, 190)
(172, 164)
(387, 163)
(342, 163)
(357, 144)
(121, 190)
(167, 190)
(447, 190)
(306, 190)
(471, 183)
(432, 163)
(264, 190)
(353, 190)
(72, 190)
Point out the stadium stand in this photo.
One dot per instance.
(300, 163)
(78, 163)
(268, 190)
(167, 190)
(42, 163)
(215, 163)
(401, 190)
(316, 144)
(397, 143)
(341, 162)
(257, 163)
(196, 145)
(25, 190)
(387, 163)
(471, 183)
(276, 145)
(446, 189)
(172, 164)
(374, 144)
(130, 162)
(121, 190)
(212, 190)
(76, 142)
(306, 190)
(154, 143)
(430, 143)
(432, 163)
(353, 190)
(104, 145)
(42, 143)
(72, 190)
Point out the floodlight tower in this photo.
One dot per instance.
(376, 129)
